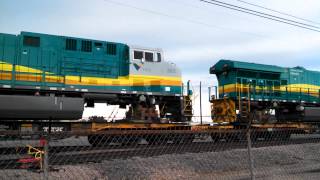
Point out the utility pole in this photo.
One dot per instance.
(200, 105)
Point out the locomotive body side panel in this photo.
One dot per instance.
(41, 60)
(267, 81)
(35, 66)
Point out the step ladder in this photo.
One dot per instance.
(244, 109)
(187, 110)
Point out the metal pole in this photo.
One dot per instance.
(200, 105)
(46, 153)
(249, 137)
(249, 154)
(209, 92)
(216, 92)
(46, 160)
(188, 88)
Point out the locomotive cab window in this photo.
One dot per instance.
(31, 41)
(158, 57)
(137, 55)
(148, 56)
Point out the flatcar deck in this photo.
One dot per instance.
(85, 126)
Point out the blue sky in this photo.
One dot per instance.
(192, 34)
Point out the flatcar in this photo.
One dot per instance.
(265, 93)
(46, 76)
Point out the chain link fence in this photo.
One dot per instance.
(161, 154)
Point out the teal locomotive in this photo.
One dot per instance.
(265, 93)
(46, 76)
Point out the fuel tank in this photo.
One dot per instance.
(311, 114)
(40, 107)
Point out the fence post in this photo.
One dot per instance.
(46, 159)
(46, 168)
(200, 105)
(250, 159)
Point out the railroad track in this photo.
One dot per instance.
(148, 151)
(86, 154)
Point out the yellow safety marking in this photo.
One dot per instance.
(313, 90)
(24, 73)
(26, 125)
(104, 126)
(19, 68)
(5, 66)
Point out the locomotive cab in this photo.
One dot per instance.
(145, 55)
(146, 66)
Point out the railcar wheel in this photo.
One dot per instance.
(99, 140)
(157, 139)
(127, 140)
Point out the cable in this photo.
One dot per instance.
(280, 12)
(181, 18)
(265, 14)
(257, 14)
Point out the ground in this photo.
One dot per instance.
(278, 162)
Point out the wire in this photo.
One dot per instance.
(265, 14)
(280, 12)
(181, 18)
(259, 14)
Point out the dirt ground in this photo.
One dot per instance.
(279, 162)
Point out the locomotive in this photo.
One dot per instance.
(265, 93)
(51, 77)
